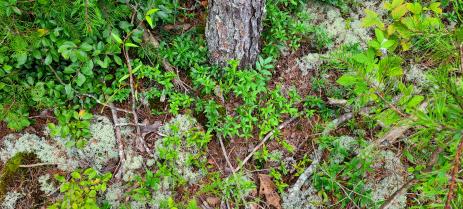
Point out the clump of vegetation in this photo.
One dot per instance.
(81, 190)
(399, 96)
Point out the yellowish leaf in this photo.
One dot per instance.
(399, 11)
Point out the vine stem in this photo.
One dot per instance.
(456, 166)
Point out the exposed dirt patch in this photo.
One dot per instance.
(26, 182)
(288, 74)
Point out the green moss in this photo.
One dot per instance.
(9, 172)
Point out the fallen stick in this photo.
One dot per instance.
(37, 165)
(412, 181)
(141, 145)
(399, 192)
(224, 152)
(308, 172)
(117, 130)
(270, 134)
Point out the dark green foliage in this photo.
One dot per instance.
(285, 25)
(53, 52)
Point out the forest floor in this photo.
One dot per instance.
(356, 105)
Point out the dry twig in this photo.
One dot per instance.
(456, 167)
(224, 151)
(37, 165)
(120, 144)
(270, 134)
(141, 145)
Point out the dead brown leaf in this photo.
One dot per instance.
(268, 189)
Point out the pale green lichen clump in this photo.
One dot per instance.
(133, 162)
(394, 178)
(99, 150)
(46, 151)
(11, 198)
(45, 185)
(102, 146)
(342, 31)
(179, 128)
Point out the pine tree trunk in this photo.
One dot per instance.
(233, 30)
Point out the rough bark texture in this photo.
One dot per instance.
(233, 30)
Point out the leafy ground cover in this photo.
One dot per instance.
(113, 104)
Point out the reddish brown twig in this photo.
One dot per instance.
(456, 166)
(141, 145)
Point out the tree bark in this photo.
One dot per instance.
(233, 31)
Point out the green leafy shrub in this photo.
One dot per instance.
(376, 77)
(81, 190)
(285, 24)
(73, 124)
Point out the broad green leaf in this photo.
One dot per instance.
(69, 91)
(347, 80)
(48, 59)
(17, 10)
(415, 101)
(130, 45)
(75, 175)
(118, 60)
(395, 71)
(117, 38)
(393, 4)
(388, 117)
(58, 177)
(87, 68)
(149, 21)
(152, 11)
(379, 35)
(435, 7)
(361, 58)
(390, 29)
(415, 8)
(406, 45)
(80, 79)
(399, 11)
(387, 44)
(372, 19)
(21, 58)
(86, 47)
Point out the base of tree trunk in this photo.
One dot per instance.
(233, 30)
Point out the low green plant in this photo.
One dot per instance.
(376, 79)
(285, 24)
(258, 103)
(342, 176)
(81, 189)
(73, 124)
(417, 26)
(192, 143)
(235, 187)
